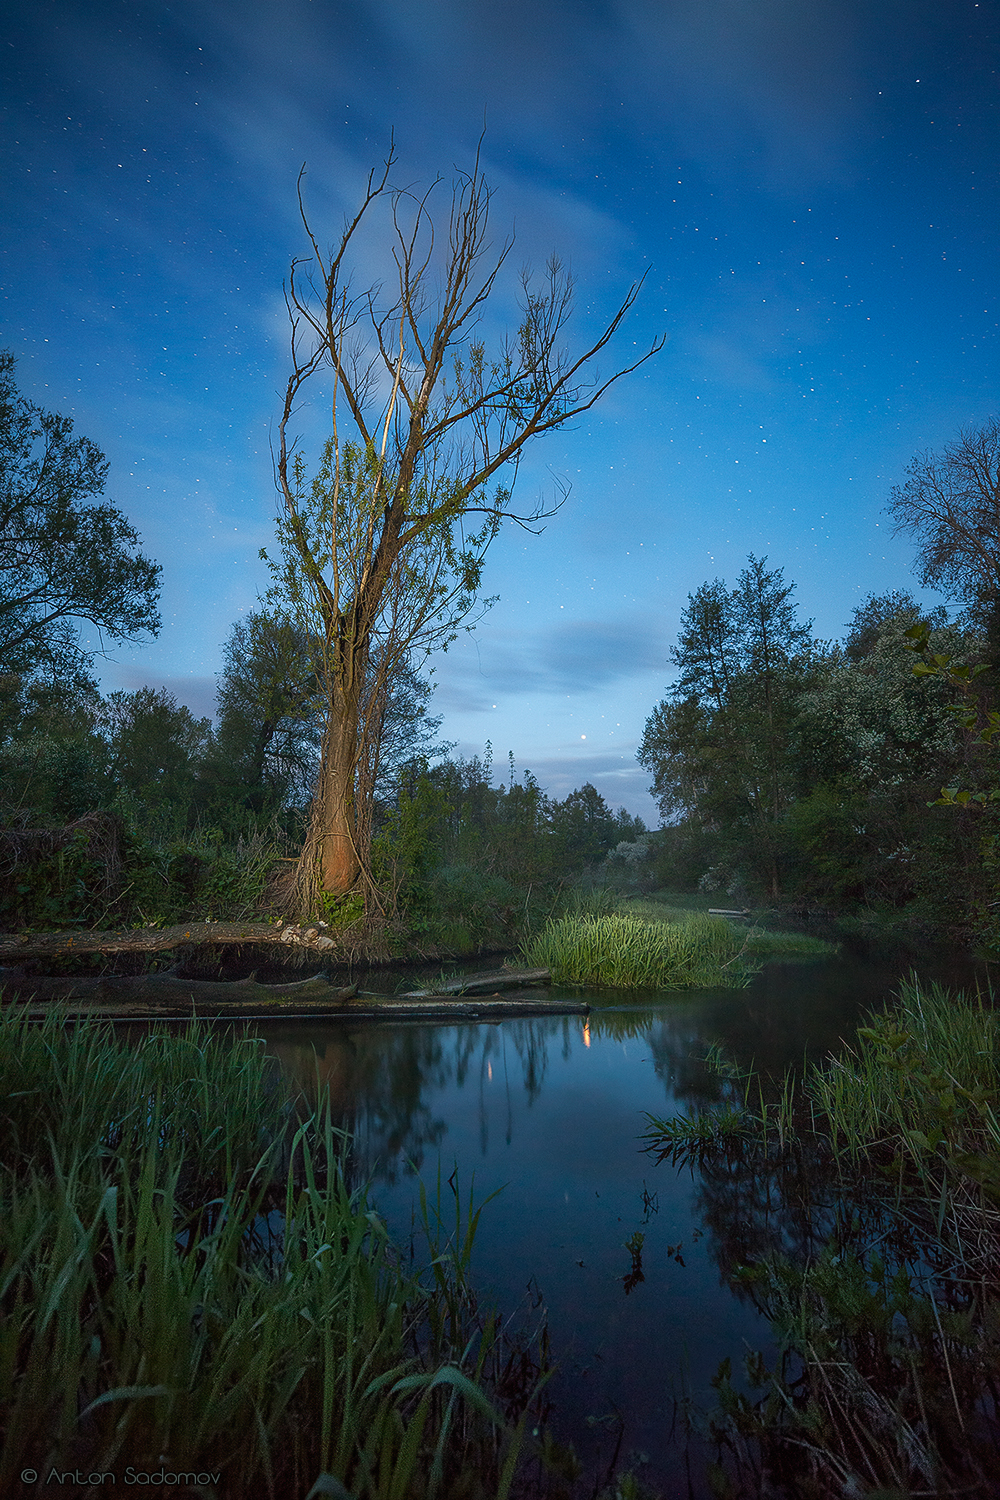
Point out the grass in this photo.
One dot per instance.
(631, 952)
(650, 943)
(884, 1168)
(764, 943)
(187, 1283)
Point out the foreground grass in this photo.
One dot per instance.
(868, 1230)
(187, 1284)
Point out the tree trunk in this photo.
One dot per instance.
(330, 862)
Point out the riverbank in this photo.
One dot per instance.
(173, 1301)
(242, 971)
(884, 1309)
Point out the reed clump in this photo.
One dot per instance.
(622, 951)
(188, 1284)
(882, 1170)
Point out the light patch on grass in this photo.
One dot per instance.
(630, 952)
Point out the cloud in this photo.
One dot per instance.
(771, 84)
(196, 693)
(580, 656)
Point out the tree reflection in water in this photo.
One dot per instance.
(554, 1107)
(381, 1078)
(875, 1257)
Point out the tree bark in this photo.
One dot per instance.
(167, 994)
(330, 860)
(157, 939)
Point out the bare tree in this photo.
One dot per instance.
(380, 549)
(951, 504)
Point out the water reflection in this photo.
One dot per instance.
(633, 1260)
(383, 1080)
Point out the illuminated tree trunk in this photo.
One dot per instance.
(334, 856)
(331, 859)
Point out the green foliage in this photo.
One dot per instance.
(53, 780)
(980, 722)
(61, 560)
(684, 853)
(469, 865)
(265, 752)
(154, 749)
(102, 871)
(626, 952)
(405, 850)
(470, 909)
(343, 911)
(189, 1283)
(50, 887)
(721, 748)
(803, 773)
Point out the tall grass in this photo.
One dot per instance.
(628, 952)
(885, 1166)
(187, 1283)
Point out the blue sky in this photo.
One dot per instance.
(811, 186)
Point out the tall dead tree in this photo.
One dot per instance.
(382, 548)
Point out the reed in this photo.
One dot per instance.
(622, 951)
(187, 1283)
(887, 1159)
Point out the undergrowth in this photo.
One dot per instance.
(868, 1231)
(187, 1283)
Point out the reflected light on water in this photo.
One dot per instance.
(586, 1033)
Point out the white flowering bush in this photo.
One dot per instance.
(630, 865)
(875, 721)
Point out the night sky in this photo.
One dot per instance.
(811, 185)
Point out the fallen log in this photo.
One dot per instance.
(19, 945)
(117, 999)
(168, 993)
(478, 984)
(145, 997)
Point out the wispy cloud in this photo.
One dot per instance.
(580, 656)
(196, 693)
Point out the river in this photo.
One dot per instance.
(551, 1112)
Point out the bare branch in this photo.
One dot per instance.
(377, 557)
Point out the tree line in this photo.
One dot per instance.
(825, 773)
(783, 766)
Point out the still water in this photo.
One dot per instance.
(551, 1111)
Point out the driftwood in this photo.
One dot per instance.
(378, 1008)
(168, 992)
(484, 984)
(17, 945)
(166, 996)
